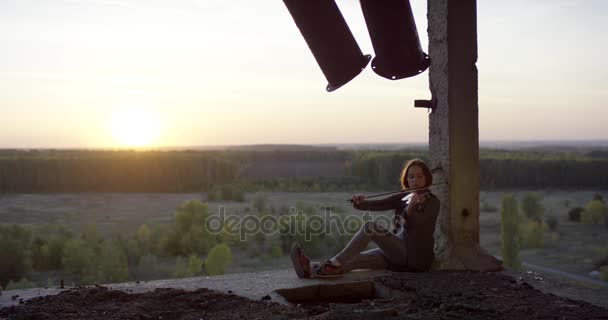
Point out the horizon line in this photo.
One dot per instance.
(543, 142)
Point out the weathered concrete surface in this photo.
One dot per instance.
(256, 285)
(454, 134)
(253, 285)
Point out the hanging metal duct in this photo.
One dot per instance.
(392, 30)
(330, 40)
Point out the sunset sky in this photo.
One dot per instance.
(121, 73)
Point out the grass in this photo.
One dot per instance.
(573, 250)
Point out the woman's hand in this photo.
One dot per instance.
(417, 202)
(419, 199)
(357, 198)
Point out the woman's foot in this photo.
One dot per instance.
(327, 269)
(301, 263)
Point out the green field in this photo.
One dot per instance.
(573, 247)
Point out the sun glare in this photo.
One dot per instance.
(135, 127)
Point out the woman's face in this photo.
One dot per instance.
(415, 177)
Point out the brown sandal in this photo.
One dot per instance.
(301, 263)
(329, 270)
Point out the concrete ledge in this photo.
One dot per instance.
(271, 284)
(254, 285)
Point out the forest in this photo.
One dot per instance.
(301, 170)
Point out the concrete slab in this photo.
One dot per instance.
(254, 285)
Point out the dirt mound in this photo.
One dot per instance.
(160, 304)
(437, 295)
(475, 295)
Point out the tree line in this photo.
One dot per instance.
(98, 171)
(498, 170)
(196, 171)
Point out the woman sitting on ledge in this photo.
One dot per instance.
(409, 247)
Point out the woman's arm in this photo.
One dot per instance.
(389, 203)
(428, 209)
(431, 209)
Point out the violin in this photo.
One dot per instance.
(401, 217)
(421, 198)
(393, 192)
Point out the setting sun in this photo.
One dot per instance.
(135, 127)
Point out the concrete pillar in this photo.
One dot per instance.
(454, 134)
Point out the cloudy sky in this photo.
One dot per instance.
(119, 73)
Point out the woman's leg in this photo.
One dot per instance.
(370, 259)
(392, 247)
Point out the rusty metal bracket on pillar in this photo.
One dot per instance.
(428, 104)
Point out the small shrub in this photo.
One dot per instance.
(276, 251)
(195, 265)
(510, 243)
(188, 268)
(602, 257)
(533, 234)
(24, 283)
(599, 198)
(594, 212)
(554, 237)
(219, 258)
(147, 268)
(552, 223)
(604, 273)
(112, 266)
(310, 210)
(575, 214)
(78, 258)
(181, 268)
(531, 207)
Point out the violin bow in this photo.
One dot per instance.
(392, 192)
(434, 170)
